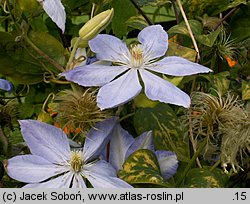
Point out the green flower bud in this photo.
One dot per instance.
(95, 25)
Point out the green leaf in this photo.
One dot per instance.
(137, 22)
(174, 80)
(28, 5)
(141, 167)
(152, 2)
(17, 63)
(142, 101)
(205, 178)
(240, 24)
(208, 39)
(158, 14)
(181, 28)
(73, 4)
(220, 82)
(175, 49)
(218, 6)
(37, 23)
(123, 10)
(245, 90)
(211, 7)
(49, 45)
(144, 2)
(167, 130)
(15, 137)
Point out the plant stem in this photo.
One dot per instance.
(176, 12)
(72, 54)
(44, 55)
(191, 162)
(215, 165)
(142, 13)
(189, 29)
(126, 116)
(226, 16)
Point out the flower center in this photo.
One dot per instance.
(76, 161)
(137, 56)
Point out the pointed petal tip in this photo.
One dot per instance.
(25, 122)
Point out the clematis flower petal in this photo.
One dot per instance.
(119, 144)
(168, 163)
(144, 141)
(154, 41)
(55, 11)
(93, 74)
(119, 91)
(45, 140)
(63, 181)
(78, 182)
(109, 48)
(177, 66)
(106, 178)
(5, 85)
(99, 181)
(100, 167)
(157, 88)
(98, 138)
(32, 168)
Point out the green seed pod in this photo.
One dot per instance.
(95, 25)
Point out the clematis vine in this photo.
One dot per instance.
(123, 144)
(52, 157)
(120, 82)
(5, 85)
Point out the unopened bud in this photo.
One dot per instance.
(95, 25)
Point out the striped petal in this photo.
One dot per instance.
(46, 141)
(159, 89)
(119, 91)
(32, 168)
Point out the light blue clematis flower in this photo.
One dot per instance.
(52, 157)
(5, 85)
(120, 83)
(123, 144)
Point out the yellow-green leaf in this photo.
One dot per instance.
(204, 178)
(167, 131)
(220, 82)
(142, 101)
(245, 90)
(174, 80)
(175, 49)
(141, 167)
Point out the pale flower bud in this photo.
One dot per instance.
(95, 25)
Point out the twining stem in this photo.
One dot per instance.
(189, 29)
(191, 162)
(141, 12)
(226, 16)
